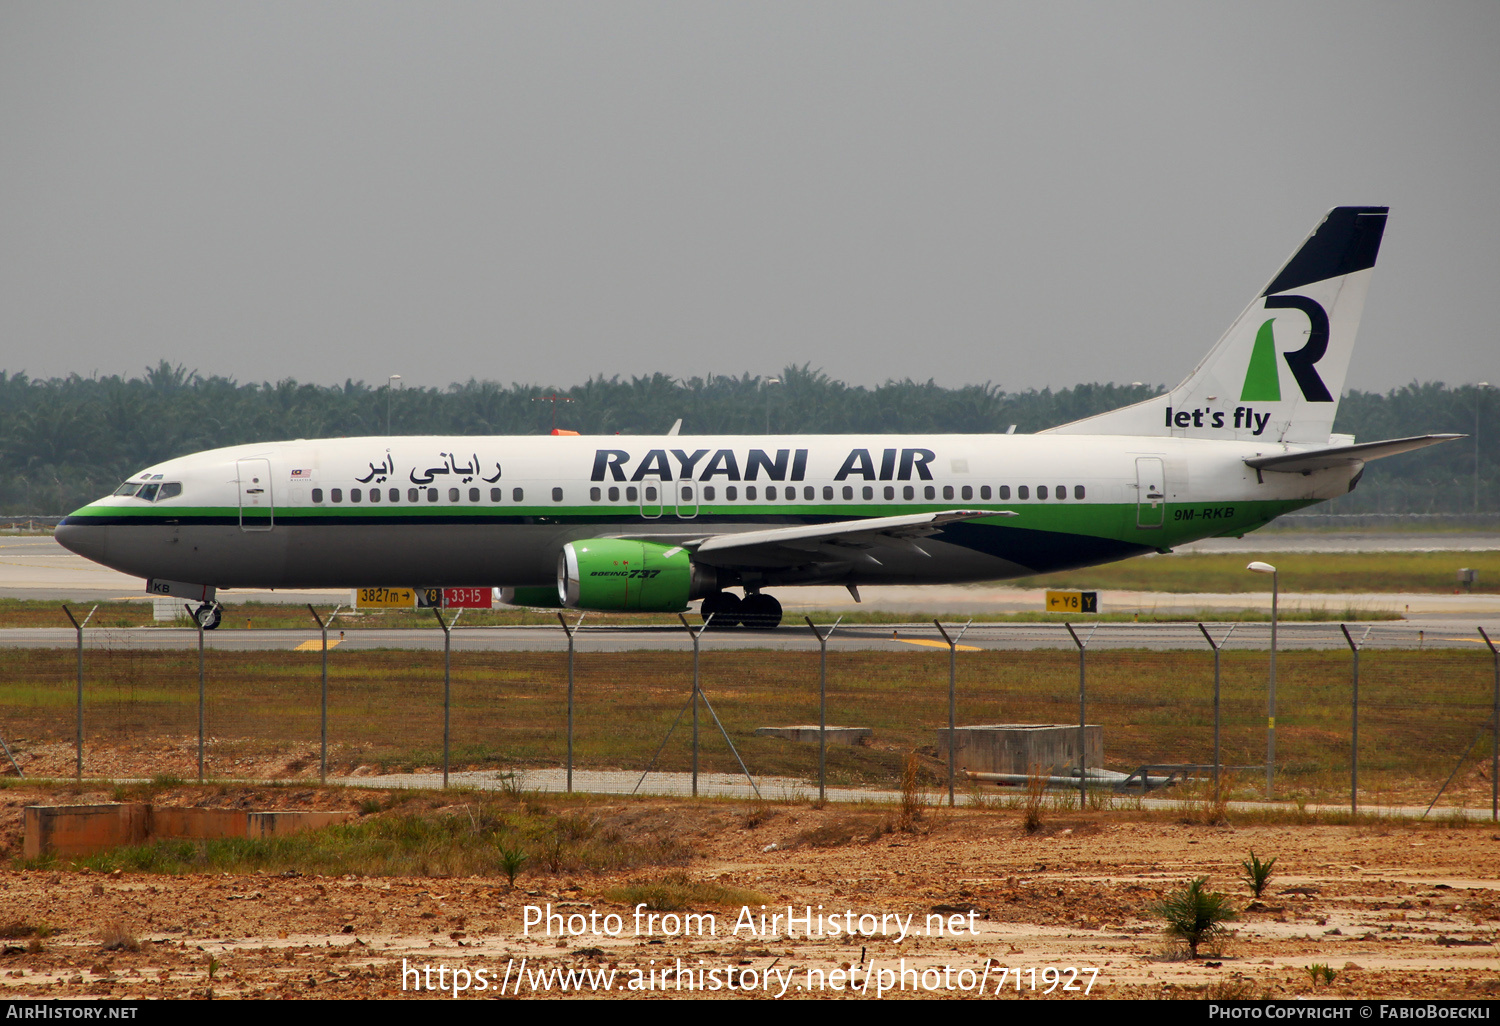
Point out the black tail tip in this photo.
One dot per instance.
(1348, 240)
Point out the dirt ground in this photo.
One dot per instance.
(1395, 910)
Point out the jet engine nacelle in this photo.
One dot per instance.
(616, 574)
(538, 596)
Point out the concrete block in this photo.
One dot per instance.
(85, 829)
(280, 824)
(1018, 747)
(808, 735)
(197, 824)
(82, 829)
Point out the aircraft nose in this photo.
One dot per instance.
(86, 540)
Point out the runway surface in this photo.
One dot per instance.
(36, 567)
(791, 789)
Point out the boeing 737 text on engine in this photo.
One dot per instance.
(652, 524)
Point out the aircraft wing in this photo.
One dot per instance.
(1342, 455)
(840, 541)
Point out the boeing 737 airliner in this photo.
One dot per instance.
(651, 524)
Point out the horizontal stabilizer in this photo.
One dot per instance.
(1343, 455)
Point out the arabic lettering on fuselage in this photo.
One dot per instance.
(699, 465)
(467, 472)
(378, 472)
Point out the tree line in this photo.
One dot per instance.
(66, 441)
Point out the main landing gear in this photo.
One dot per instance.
(208, 615)
(756, 611)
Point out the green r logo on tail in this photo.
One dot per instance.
(1262, 382)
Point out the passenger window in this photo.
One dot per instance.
(731, 493)
(631, 494)
(614, 495)
(338, 495)
(414, 495)
(1041, 491)
(374, 494)
(890, 492)
(809, 493)
(517, 495)
(1005, 491)
(354, 495)
(848, 492)
(432, 495)
(867, 492)
(929, 492)
(908, 492)
(1062, 491)
(1022, 492)
(947, 491)
(452, 494)
(317, 494)
(770, 492)
(170, 490)
(687, 494)
(750, 492)
(496, 493)
(594, 494)
(1078, 491)
(473, 494)
(650, 493)
(708, 493)
(984, 492)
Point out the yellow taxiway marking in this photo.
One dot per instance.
(934, 644)
(316, 646)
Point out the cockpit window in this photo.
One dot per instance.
(148, 492)
(128, 488)
(169, 490)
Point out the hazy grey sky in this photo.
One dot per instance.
(1030, 194)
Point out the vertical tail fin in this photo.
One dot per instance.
(1277, 373)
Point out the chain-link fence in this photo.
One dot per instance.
(1426, 702)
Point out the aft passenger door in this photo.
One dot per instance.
(1151, 492)
(257, 509)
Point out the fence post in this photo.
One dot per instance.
(569, 631)
(1218, 760)
(78, 718)
(323, 730)
(447, 683)
(1494, 733)
(1354, 719)
(1083, 751)
(199, 624)
(952, 675)
(823, 705)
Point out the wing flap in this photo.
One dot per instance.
(841, 541)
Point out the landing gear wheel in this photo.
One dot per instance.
(208, 615)
(725, 608)
(760, 612)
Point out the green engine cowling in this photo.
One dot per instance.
(617, 574)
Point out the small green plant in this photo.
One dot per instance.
(1195, 914)
(1258, 873)
(511, 861)
(116, 936)
(1031, 805)
(911, 794)
(1318, 972)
